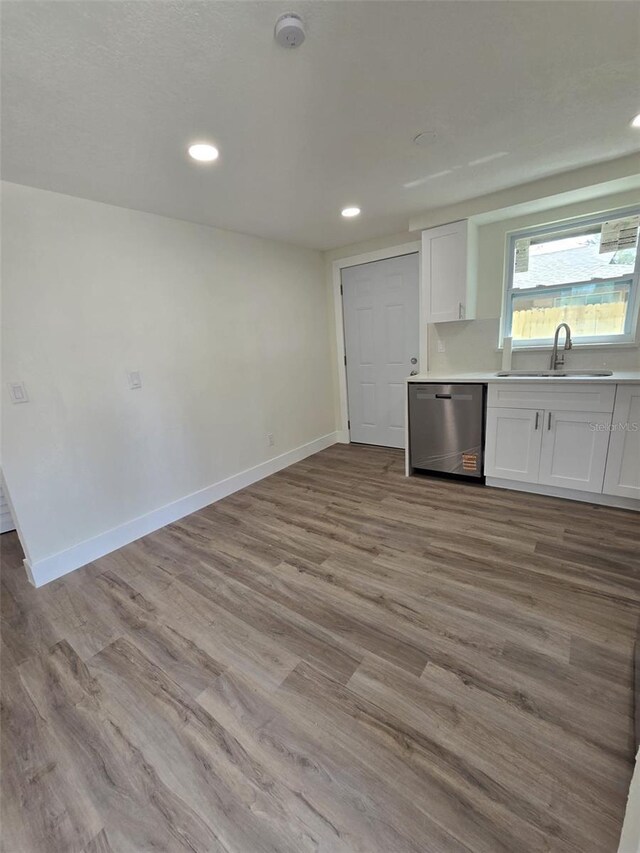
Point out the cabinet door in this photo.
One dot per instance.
(444, 272)
(513, 444)
(622, 475)
(574, 450)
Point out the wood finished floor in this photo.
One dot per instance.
(334, 659)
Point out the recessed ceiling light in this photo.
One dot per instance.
(636, 121)
(348, 212)
(203, 152)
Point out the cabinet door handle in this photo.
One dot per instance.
(537, 420)
(460, 311)
(549, 421)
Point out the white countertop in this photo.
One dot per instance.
(618, 377)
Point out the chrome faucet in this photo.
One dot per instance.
(558, 360)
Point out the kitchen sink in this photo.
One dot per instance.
(555, 374)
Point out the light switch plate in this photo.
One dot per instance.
(441, 346)
(135, 379)
(18, 392)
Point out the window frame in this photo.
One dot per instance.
(567, 226)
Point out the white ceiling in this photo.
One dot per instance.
(100, 100)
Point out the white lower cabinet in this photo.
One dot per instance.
(622, 477)
(566, 437)
(574, 450)
(513, 442)
(552, 448)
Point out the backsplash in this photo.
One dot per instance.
(472, 346)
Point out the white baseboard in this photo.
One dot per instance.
(570, 494)
(49, 568)
(343, 437)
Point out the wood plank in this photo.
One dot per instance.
(335, 659)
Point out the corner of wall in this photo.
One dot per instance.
(50, 568)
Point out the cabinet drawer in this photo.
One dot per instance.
(566, 396)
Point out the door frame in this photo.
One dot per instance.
(354, 261)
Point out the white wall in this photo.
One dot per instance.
(595, 181)
(231, 336)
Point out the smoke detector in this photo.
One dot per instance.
(289, 31)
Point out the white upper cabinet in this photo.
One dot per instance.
(622, 476)
(449, 272)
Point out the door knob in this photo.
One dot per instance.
(414, 361)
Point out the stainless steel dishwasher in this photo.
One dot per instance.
(446, 428)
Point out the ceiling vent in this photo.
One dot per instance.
(289, 31)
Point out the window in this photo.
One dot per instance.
(584, 273)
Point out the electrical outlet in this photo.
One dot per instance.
(270, 439)
(135, 379)
(441, 347)
(18, 392)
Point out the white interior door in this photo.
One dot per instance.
(381, 327)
